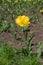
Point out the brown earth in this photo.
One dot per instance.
(35, 29)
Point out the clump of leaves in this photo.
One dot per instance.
(4, 26)
(7, 54)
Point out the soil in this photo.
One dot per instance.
(35, 28)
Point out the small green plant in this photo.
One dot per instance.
(4, 26)
(7, 54)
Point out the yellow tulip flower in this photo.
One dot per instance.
(23, 21)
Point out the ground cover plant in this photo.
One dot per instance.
(16, 19)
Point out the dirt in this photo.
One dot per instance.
(35, 29)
